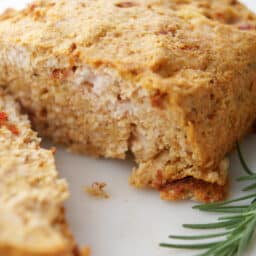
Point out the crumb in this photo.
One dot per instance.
(85, 251)
(97, 190)
(53, 149)
(4, 121)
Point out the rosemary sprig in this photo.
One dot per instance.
(237, 224)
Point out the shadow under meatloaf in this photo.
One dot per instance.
(171, 85)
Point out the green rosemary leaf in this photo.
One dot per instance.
(214, 225)
(247, 177)
(230, 251)
(202, 207)
(232, 217)
(220, 247)
(247, 235)
(228, 209)
(198, 237)
(227, 253)
(244, 164)
(240, 226)
(189, 246)
(253, 186)
(225, 210)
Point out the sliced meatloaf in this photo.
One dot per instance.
(174, 82)
(32, 218)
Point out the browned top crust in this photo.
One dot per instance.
(163, 44)
(230, 12)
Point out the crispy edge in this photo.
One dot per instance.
(198, 190)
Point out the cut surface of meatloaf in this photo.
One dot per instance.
(32, 219)
(174, 82)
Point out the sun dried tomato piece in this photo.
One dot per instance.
(13, 128)
(3, 118)
(158, 99)
(159, 180)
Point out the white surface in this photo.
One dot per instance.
(131, 222)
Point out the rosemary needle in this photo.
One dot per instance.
(198, 237)
(241, 158)
(189, 246)
(239, 227)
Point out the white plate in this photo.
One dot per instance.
(131, 222)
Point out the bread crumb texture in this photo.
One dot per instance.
(86, 251)
(97, 189)
(32, 219)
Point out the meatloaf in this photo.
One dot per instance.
(172, 81)
(32, 221)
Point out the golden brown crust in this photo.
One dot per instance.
(229, 12)
(198, 190)
(8, 13)
(179, 185)
(104, 30)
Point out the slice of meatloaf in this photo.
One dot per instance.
(32, 221)
(174, 82)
